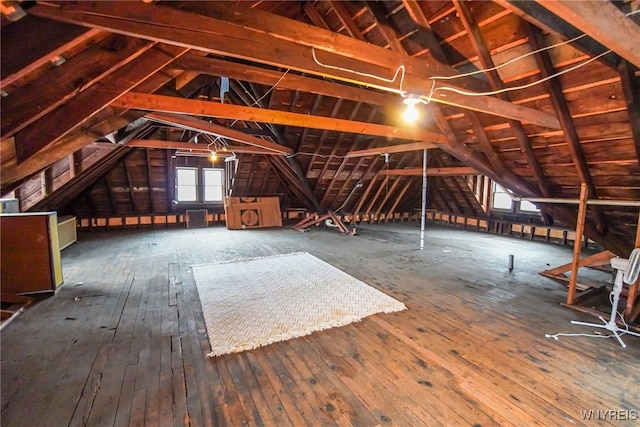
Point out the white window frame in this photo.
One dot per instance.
(205, 185)
(200, 185)
(498, 189)
(179, 185)
(529, 209)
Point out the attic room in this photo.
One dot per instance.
(349, 213)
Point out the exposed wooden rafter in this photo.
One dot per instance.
(261, 40)
(178, 145)
(631, 89)
(480, 46)
(537, 15)
(389, 149)
(603, 22)
(104, 123)
(195, 124)
(440, 171)
(71, 77)
(564, 115)
(169, 104)
(86, 104)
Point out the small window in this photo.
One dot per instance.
(187, 184)
(213, 191)
(527, 206)
(501, 200)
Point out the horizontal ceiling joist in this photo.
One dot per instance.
(389, 149)
(240, 32)
(178, 145)
(446, 171)
(195, 124)
(603, 22)
(169, 104)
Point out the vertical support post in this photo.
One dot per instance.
(633, 289)
(72, 165)
(424, 199)
(577, 244)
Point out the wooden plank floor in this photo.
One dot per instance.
(123, 342)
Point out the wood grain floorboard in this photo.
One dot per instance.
(123, 342)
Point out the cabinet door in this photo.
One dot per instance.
(26, 255)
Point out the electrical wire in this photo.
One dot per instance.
(525, 86)
(356, 186)
(511, 61)
(359, 73)
(463, 92)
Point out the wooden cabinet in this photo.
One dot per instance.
(29, 253)
(252, 212)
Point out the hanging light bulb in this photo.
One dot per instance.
(214, 156)
(411, 113)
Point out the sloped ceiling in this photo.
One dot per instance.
(97, 97)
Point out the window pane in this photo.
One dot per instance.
(213, 193)
(502, 201)
(186, 193)
(528, 207)
(186, 176)
(212, 177)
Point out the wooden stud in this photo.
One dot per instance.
(582, 212)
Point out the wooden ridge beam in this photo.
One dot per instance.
(287, 40)
(439, 171)
(86, 104)
(169, 104)
(195, 124)
(400, 148)
(603, 22)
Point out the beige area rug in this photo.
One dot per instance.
(255, 302)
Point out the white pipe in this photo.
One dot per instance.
(629, 203)
(424, 199)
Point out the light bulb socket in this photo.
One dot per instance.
(411, 99)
